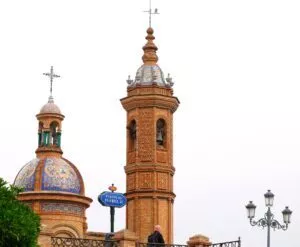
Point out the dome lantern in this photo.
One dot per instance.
(50, 119)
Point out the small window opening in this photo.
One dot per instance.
(132, 135)
(54, 133)
(40, 135)
(160, 132)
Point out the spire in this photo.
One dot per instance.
(150, 57)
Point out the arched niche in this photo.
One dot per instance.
(161, 133)
(132, 134)
(40, 133)
(54, 134)
(65, 231)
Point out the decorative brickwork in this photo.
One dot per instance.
(130, 214)
(145, 135)
(145, 180)
(131, 157)
(131, 182)
(161, 156)
(146, 217)
(163, 216)
(162, 181)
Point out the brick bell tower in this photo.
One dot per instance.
(149, 167)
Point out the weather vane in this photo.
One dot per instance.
(51, 75)
(155, 12)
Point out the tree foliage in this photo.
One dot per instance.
(19, 225)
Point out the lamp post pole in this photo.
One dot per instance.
(269, 214)
(268, 220)
(112, 188)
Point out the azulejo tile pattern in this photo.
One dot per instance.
(26, 176)
(58, 175)
(57, 207)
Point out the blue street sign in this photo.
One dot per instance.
(110, 199)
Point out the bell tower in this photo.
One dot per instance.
(149, 169)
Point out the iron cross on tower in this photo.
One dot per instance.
(155, 12)
(51, 75)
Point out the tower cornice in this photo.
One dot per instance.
(148, 167)
(48, 150)
(150, 100)
(150, 194)
(54, 196)
(150, 89)
(50, 115)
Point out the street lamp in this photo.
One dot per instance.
(269, 198)
(269, 221)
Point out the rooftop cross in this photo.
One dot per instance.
(51, 75)
(151, 12)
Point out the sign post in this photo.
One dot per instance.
(112, 200)
(112, 219)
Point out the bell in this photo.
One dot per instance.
(55, 141)
(159, 138)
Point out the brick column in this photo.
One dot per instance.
(199, 241)
(126, 237)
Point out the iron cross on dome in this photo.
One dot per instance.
(150, 12)
(51, 75)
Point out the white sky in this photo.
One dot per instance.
(237, 131)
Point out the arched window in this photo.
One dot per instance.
(54, 134)
(41, 125)
(160, 132)
(132, 135)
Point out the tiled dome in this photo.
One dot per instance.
(50, 107)
(149, 75)
(55, 174)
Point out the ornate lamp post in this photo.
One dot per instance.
(269, 221)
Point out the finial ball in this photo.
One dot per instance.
(150, 30)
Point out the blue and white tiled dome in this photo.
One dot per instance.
(50, 174)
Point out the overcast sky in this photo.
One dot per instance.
(236, 67)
